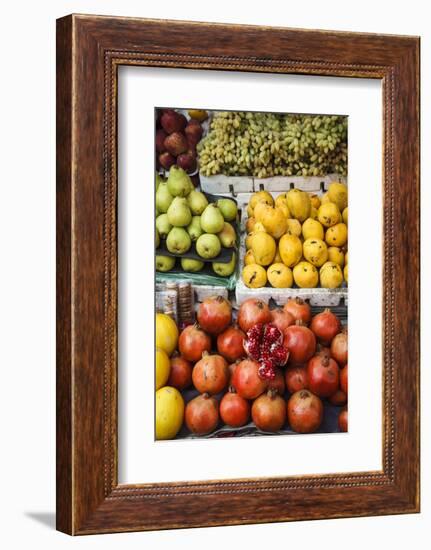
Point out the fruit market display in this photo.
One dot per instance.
(192, 228)
(177, 138)
(226, 362)
(271, 144)
(297, 239)
(250, 370)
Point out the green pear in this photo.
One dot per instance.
(163, 197)
(179, 182)
(208, 246)
(164, 263)
(227, 236)
(212, 220)
(159, 180)
(178, 241)
(188, 264)
(228, 208)
(179, 214)
(157, 238)
(225, 269)
(163, 226)
(197, 202)
(195, 229)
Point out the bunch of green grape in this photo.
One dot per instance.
(268, 144)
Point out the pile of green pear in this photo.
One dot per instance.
(184, 216)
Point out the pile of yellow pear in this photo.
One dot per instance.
(297, 238)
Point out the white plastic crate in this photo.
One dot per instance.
(226, 185)
(235, 185)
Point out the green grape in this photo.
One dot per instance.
(266, 144)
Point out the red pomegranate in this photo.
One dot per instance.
(277, 383)
(251, 312)
(304, 412)
(230, 343)
(246, 379)
(342, 420)
(339, 398)
(325, 325)
(269, 412)
(231, 369)
(214, 314)
(339, 348)
(323, 350)
(296, 378)
(300, 310)
(172, 121)
(300, 342)
(193, 341)
(160, 138)
(263, 343)
(180, 376)
(201, 415)
(234, 409)
(323, 375)
(281, 318)
(210, 374)
(343, 379)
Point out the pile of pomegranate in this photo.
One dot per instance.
(276, 367)
(176, 140)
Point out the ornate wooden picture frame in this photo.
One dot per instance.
(89, 51)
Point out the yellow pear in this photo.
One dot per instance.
(293, 227)
(312, 229)
(279, 275)
(329, 214)
(337, 193)
(315, 251)
(313, 213)
(345, 215)
(290, 248)
(336, 255)
(254, 276)
(325, 199)
(299, 204)
(259, 210)
(284, 209)
(274, 221)
(249, 224)
(281, 202)
(249, 258)
(336, 235)
(261, 196)
(263, 247)
(249, 240)
(305, 275)
(331, 275)
(258, 226)
(315, 201)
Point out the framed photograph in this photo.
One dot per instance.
(237, 230)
